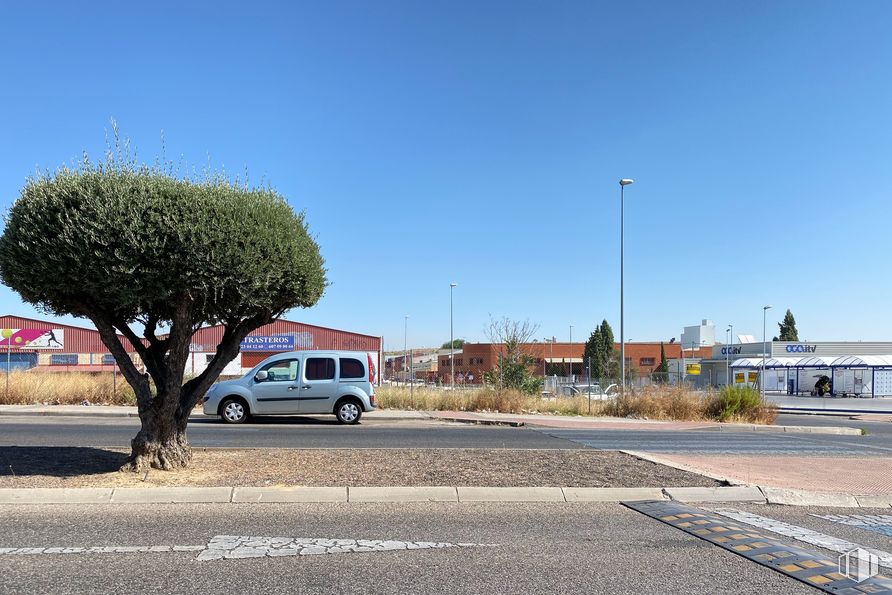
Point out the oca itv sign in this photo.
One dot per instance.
(272, 343)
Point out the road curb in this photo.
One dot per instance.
(834, 430)
(480, 422)
(433, 494)
(92, 411)
(651, 458)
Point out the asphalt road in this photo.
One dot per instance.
(536, 548)
(305, 432)
(296, 432)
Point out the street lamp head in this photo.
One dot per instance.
(766, 307)
(453, 285)
(626, 182)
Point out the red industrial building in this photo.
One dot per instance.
(474, 359)
(54, 347)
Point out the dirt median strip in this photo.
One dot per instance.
(58, 467)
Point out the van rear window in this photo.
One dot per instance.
(320, 368)
(352, 368)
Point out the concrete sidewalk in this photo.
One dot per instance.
(615, 423)
(400, 494)
(831, 405)
(815, 474)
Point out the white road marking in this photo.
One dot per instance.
(107, 549)
(230, 547)
(234, 546)
(828, 542)
(878, 523)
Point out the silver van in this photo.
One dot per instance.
(312, 382)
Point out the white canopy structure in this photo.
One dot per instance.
(814, 361)
(863, 361)
(747, 362)
(782, 362)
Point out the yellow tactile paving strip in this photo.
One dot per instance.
(810, 567)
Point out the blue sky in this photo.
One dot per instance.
(481, 143)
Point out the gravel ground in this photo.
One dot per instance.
(22, 467)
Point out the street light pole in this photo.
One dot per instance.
(451, 340)
(728, 348)
(406, 347)
(764, 348)
(622, 330)
(570, 363)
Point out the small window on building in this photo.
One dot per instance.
(108, 360)
(646, 361)
(63, 359)
(320, 368)
(352, 368)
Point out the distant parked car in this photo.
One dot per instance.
(584, 390)
(311, 382)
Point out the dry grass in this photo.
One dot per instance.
(655, 402)
(64, 388)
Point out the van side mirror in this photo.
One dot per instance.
(261, 376)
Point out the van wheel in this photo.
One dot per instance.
(348, 411)
(233, 410)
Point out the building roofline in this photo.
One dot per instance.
(59, 324)
(325, 328)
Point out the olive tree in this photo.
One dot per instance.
(127, 247)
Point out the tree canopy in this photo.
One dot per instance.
(787, 327)
(600, 349)
(514, 368)
(127, 245)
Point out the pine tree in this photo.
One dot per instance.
(608, 353)
(592, 353)
(788, 330)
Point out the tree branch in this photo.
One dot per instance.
(110, 338)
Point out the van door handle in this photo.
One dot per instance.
(306, 387)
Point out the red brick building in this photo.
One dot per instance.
(477, 358)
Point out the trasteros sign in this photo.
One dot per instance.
(801, 348)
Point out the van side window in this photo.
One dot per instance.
(351, 368)
(284, 370)
(320, 368)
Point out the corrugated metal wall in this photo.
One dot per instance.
(77, 340)
(307, 336)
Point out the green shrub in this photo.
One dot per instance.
(739, 403)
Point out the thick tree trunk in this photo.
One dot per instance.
(161, 442)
